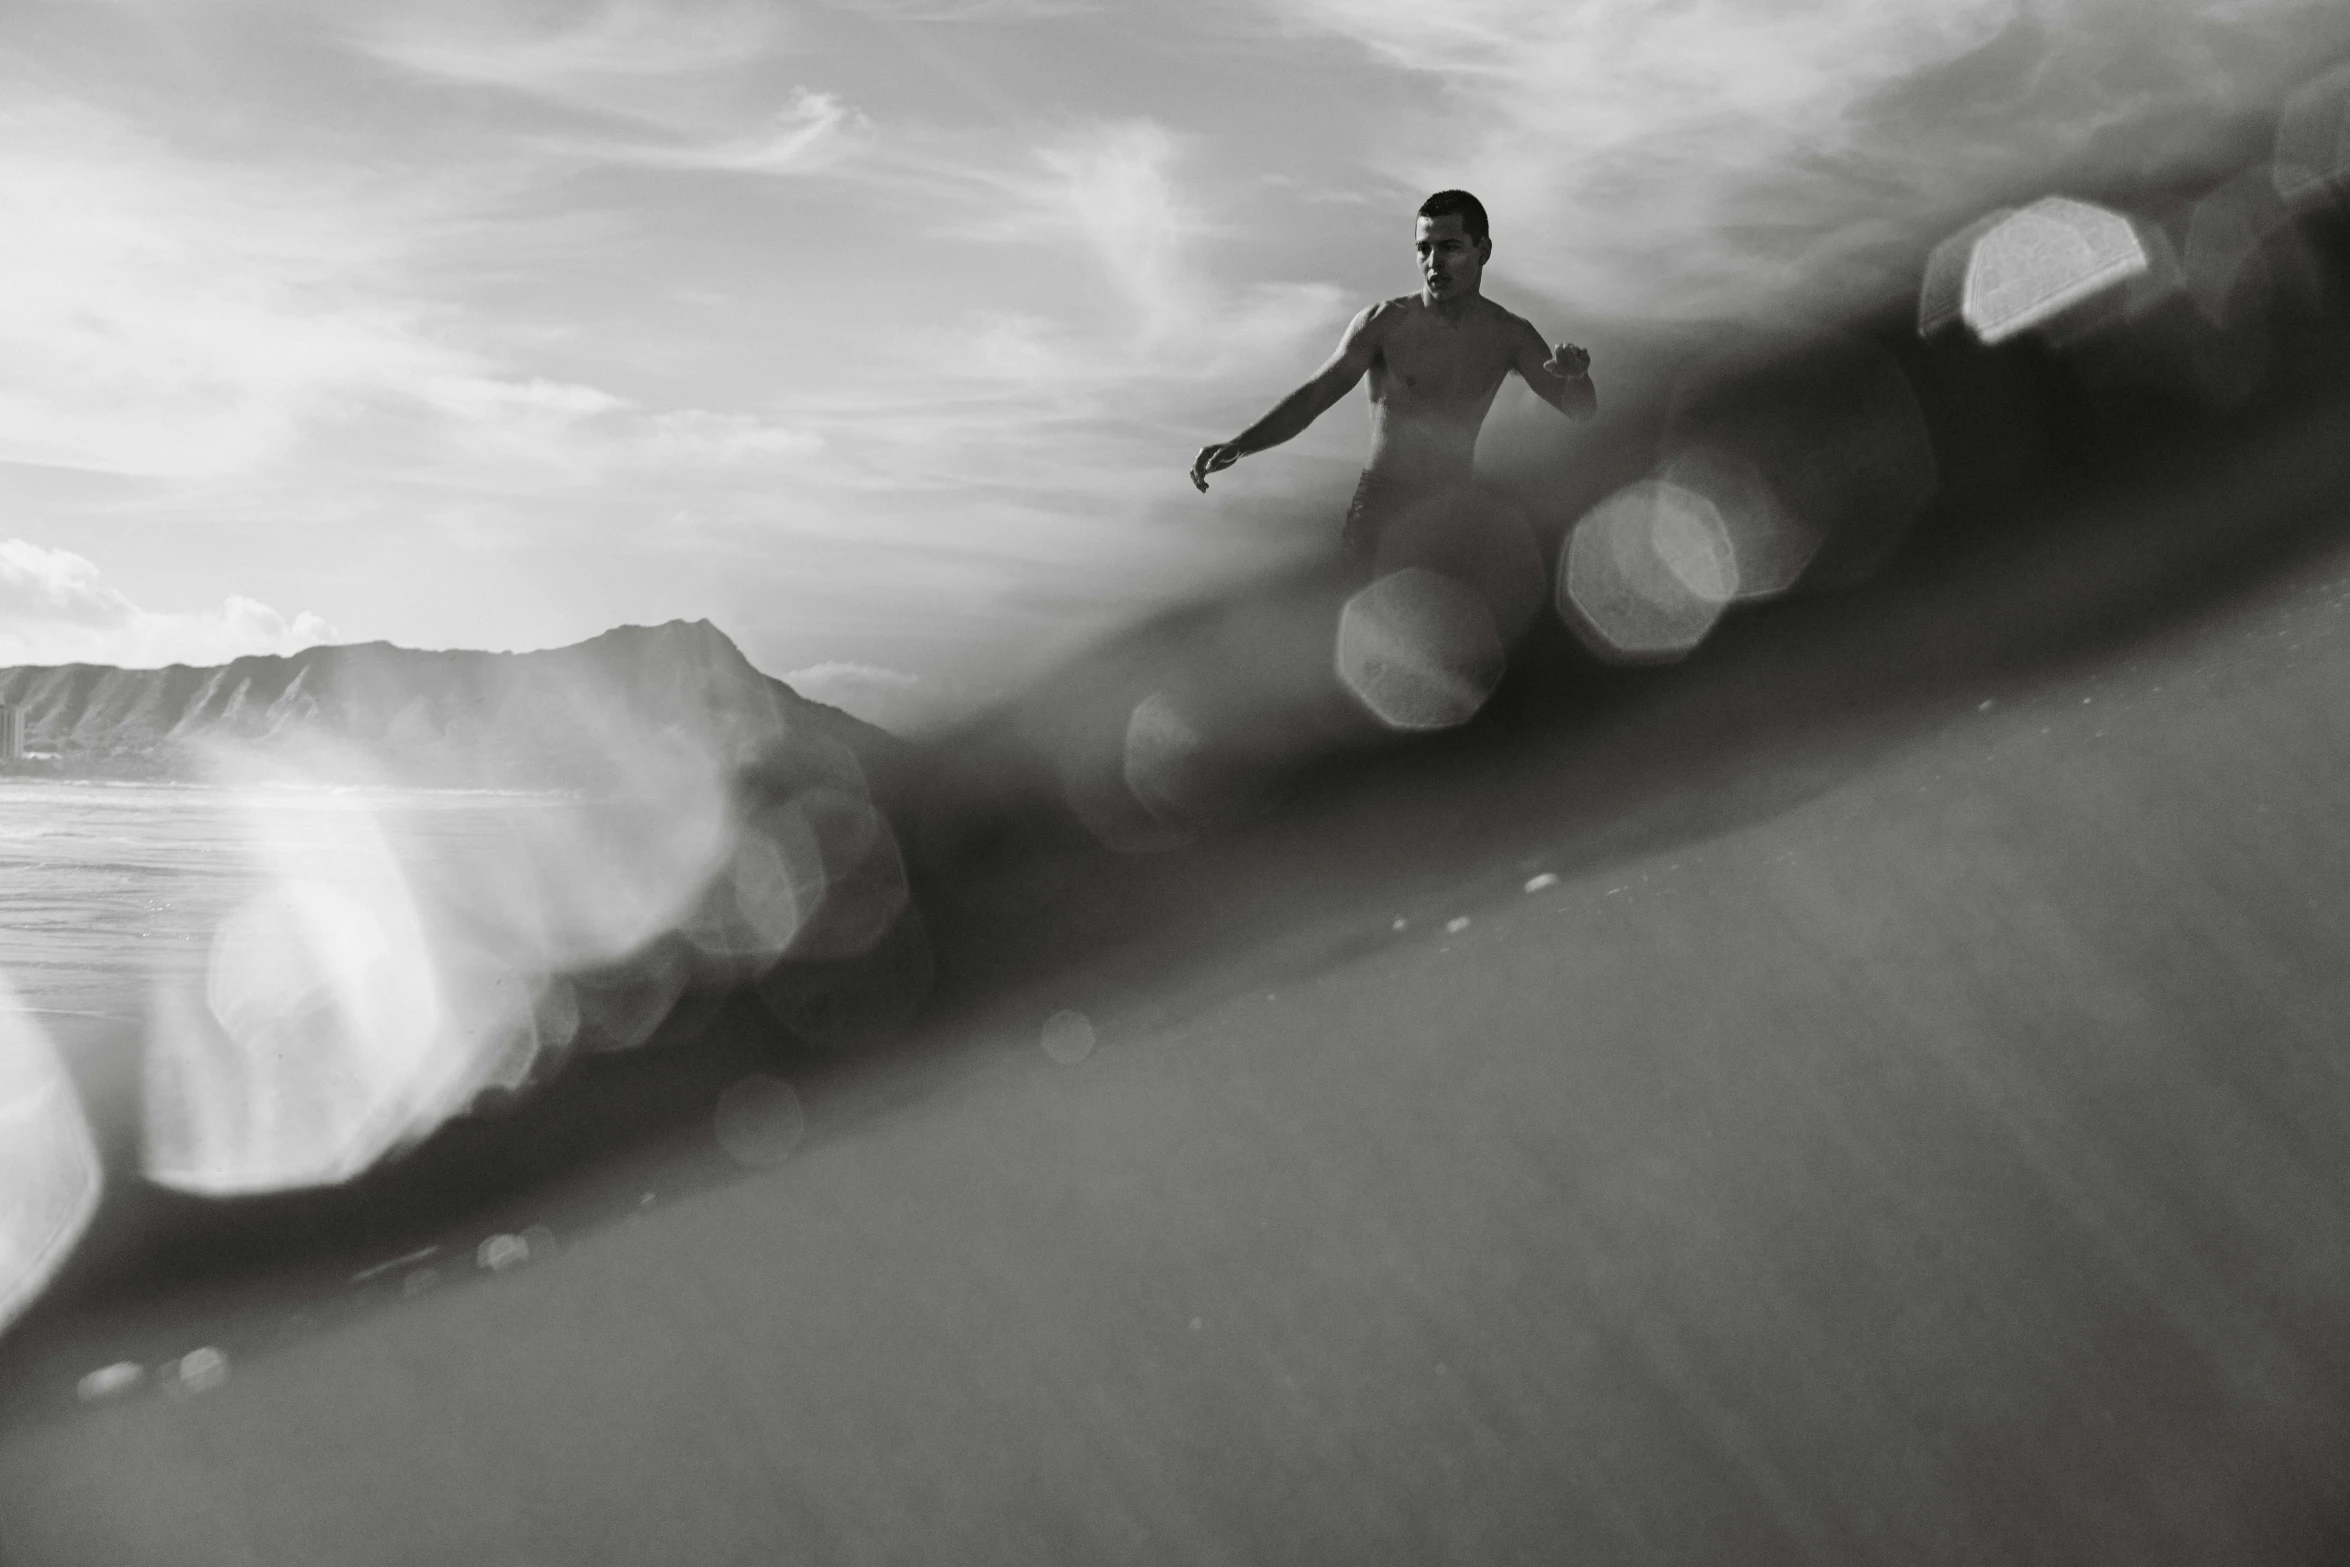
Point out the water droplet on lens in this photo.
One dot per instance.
(201, 1370)
(110, 1381)
(501, 1252)
(2035, 264)
(759, 1121)
(1418, 650)
(1068, 1037)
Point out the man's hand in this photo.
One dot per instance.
(1568, 362)
(1213, 459)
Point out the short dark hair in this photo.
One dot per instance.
(1458, 204)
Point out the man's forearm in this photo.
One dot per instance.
(1578, 399)
(1575, 397)
(1289, 418)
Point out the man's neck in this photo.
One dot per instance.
(1453, 307)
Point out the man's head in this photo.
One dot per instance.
(1453, 244)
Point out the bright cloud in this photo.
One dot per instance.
(165, 316)
(56, 608)
(159, 316)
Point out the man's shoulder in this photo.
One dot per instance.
(1382, 311)
(1506, 319)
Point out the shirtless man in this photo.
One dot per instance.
(1436, 358)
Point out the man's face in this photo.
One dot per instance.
(1451, 264)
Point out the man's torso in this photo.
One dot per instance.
(1432, 381)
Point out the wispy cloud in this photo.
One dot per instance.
(1714, 156)
(1117, 189)
(57, 608)
(968, 10)
(814, 131)
(166, 316)
(162, 316)
(655, 60)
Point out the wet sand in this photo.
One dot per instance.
(1912, 1128)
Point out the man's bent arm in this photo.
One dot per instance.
(1572, 395)
(1293, 413)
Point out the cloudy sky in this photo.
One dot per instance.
(881, 332)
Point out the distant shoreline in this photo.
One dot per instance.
(288, 786)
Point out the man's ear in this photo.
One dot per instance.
(1485, 250)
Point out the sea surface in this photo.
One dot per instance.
(106, 886)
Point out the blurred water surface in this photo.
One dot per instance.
(105, 886)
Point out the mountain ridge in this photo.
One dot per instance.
(464, 717)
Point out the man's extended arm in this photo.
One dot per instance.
(1561, 379)
(1293, 413)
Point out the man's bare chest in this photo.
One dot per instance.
(1431, 361)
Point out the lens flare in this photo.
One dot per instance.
(774, 885)
(321, 1042)
(2033, 265)
(1095, 786)
(1419, 650)
(1769, 545)
(2246, 269)
(50, 1178)
(1942, 292)
(1068, 1037)
(111, 1381)
(758, 1121)
(1832, 428)
(1646, 573)
(864, 889)
(198, 1371)
(1198, 722)
(2312, 163)
(379, 981)
(621, 1005)
(817, 875)
(855, 1003)
(1478, 539)
(1169, 765)
(2242, 250)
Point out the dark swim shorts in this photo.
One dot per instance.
(1379, 503)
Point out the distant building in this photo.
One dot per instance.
(11, 732)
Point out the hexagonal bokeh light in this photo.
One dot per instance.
(2033, 265)
(1813, 452)
(1419, 650)
(2244, 261)
(1769, 543)
(2240, 246)
(1943, 289)
(1176, 770)
(2312, 163)
(49, 1171)
(324, 1037)
(1478, 539)
(852, 1003)
(1647, 572)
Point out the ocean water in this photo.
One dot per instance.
(104, 887)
